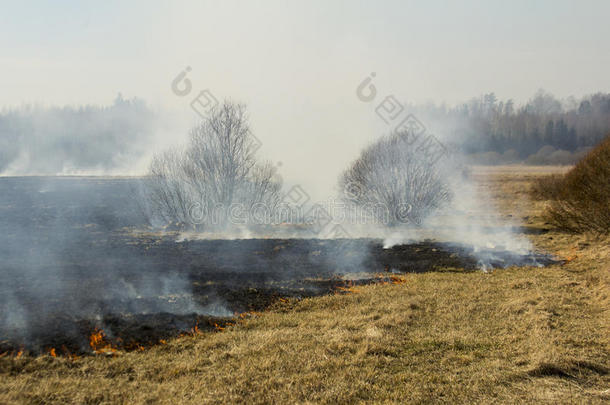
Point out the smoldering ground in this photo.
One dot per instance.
(64, 259)
(78, 255)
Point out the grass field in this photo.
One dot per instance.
(513, 335)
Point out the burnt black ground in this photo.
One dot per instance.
(70, 264)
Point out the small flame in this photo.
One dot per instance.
(397, 280)
(98, 343)
(67, 353)
(52, 352)
(195, 330)
(350, 287)
(248, 314)
(96, 339)
(392, 279)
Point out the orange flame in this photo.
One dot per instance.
(349, 287)
(248, 314)
(67, 353)
(195, 330)
(397, 280)
(52, 352)
(98, 343)
(96, 339)
(392, 279)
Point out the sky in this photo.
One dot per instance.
(297, 65)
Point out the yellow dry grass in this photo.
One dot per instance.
(513, 335)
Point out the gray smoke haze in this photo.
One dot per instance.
(88, 139)
(120, 138)
(66, 258)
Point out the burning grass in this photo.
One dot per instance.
(521, 334)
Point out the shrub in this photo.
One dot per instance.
(394, 182)
(199, 186)
(580, 201)
(548, 155)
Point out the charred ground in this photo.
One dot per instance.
(72, 266)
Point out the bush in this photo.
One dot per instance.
(580, 201)
(200, 185)
(548, 155)
(394, 182)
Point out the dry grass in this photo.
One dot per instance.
(514, 335)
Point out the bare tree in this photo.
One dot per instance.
(394, 182)
(216, 172)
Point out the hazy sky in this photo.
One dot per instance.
(297, 64)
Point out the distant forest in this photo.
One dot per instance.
(109, 139)
(543, 131)
(70, 140)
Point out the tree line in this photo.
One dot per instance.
(49, 140)
(487, 124)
